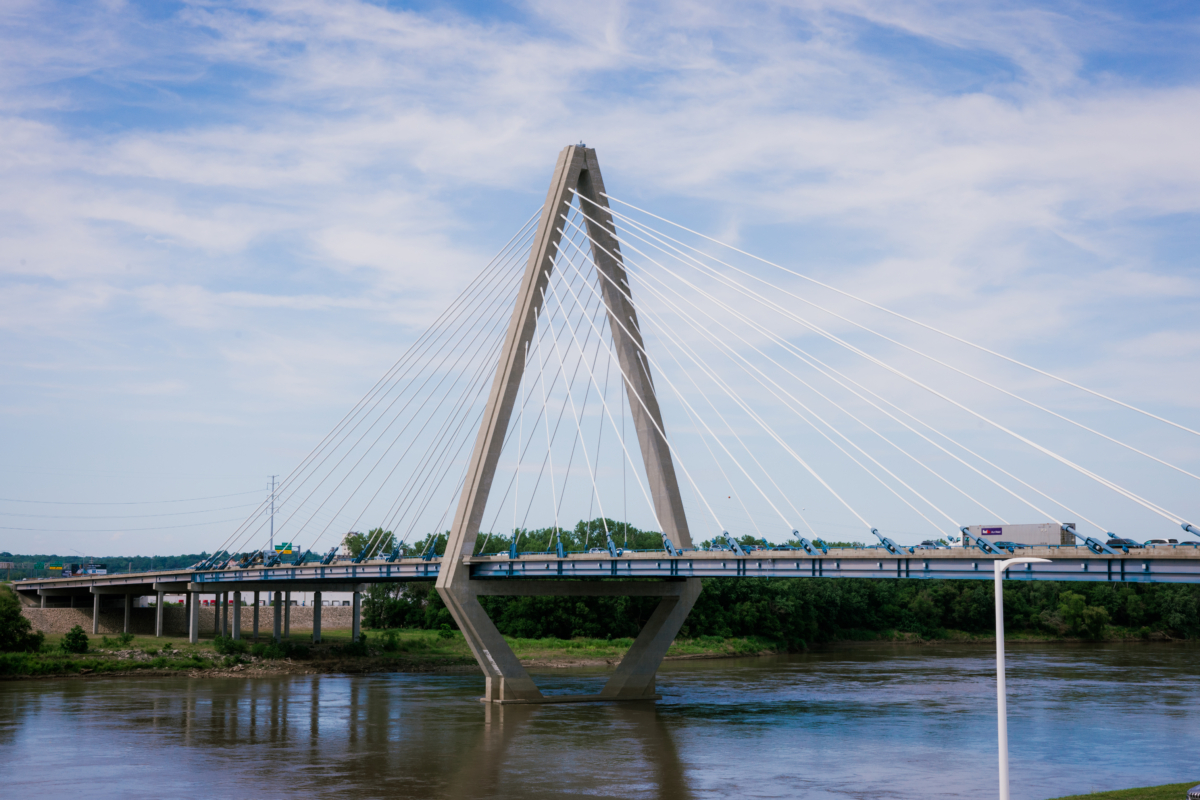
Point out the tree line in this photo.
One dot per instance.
(799, 612)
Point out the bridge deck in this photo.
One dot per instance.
(1161, 564)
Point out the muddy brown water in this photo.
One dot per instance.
(875, 721)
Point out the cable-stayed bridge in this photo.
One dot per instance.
(650, 374)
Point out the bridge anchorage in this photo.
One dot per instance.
(577, 172)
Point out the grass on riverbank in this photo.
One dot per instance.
(1172, 791)
(384, 650)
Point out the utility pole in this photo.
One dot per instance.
(273, 477)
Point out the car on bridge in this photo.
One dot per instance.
(1011, 547)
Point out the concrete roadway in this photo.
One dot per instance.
(1157, 564)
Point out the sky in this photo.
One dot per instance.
(220, 223)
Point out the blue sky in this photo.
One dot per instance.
(220, 223)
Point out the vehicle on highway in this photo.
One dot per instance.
(1009, 546)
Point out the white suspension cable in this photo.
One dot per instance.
(1046, 451)
(795, 455)
(455, 329)
(906, 318)
(719, 442)
(463, 303)
(842, 379)
(608, 410)
(542, 383)
(578, 422)
(629, 385)
(735, 355)
(942, 363)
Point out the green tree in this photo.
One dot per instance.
(376, 541)
(75, 641)
(16, 632)
(1082, 619)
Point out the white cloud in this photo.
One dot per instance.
(324, 176)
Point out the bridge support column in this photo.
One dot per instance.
(128, 606)
(237, 615)
(316, 617)
(43, 599)
(278, 614)
(158, 614)
(256, 616)
(287, 615)
(193, 601)
(634, 676)
(95, 614)
(354, 615)
(72, 601)
(225, 613)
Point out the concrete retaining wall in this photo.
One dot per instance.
(141, 620)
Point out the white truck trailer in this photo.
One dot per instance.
(1038, 533)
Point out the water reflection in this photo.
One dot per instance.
(897, 722)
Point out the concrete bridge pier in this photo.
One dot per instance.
(287, 615)
(95, 615)
(278, 615)
(128, 610)
(256, 617)
(354, 614)
(158, 614)
(316, 617)
(193, 601)
(237, 615)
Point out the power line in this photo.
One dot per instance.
(126, 530)
(131, 503)
(127, 516)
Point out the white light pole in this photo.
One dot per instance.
(1001, 704)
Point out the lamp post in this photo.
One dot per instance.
(1001, 703)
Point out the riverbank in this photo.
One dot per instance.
(404, 650)
(1171, 791)
(380, 651)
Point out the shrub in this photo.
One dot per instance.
(357, 648)
(445, 632)
(281, 649)
(389, 642)
(120, 640)
(228, 646)
(75, 641)
(16, 632)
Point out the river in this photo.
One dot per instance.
(861, 722)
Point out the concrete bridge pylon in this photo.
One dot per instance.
(577, 171)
